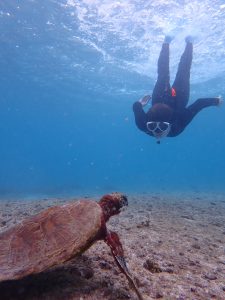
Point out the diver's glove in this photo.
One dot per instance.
(220, 100)
(144, 101)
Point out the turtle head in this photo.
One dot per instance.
(111, 204)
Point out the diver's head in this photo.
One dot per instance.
(159, 116)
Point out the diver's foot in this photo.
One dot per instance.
(168, 39)
(189, 39)
(220, 100)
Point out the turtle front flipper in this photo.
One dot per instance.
(113, 241)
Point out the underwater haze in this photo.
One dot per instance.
(70, 72)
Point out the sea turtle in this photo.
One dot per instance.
(59, 233)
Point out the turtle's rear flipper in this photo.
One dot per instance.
(113, 241)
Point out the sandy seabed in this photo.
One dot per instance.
(174, 246)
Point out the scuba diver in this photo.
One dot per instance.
(169, 115)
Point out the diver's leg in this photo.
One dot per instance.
(162, 86)
(182, 80)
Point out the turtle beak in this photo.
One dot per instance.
(123, 201)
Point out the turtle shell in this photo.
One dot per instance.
(49, 238)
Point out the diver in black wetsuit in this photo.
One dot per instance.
(169, 115)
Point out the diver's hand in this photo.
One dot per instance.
(145, 100)
(220, 100)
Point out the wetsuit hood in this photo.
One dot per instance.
(160, 112)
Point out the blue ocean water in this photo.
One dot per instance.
(70, 72)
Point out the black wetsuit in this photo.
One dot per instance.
(162, 93)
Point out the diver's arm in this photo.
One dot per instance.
(192, 110)
(140, 116)
(203, 103)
